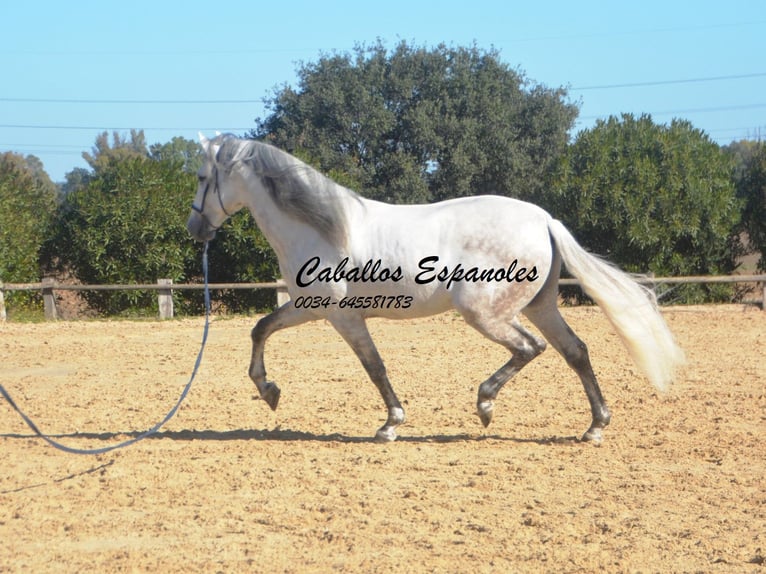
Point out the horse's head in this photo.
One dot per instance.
(217, 198)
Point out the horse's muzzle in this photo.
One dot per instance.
(199, 227)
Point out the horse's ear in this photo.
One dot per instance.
(203, 141)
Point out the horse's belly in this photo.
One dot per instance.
(400, 300)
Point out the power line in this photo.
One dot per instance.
(240, 128)
(131, 102)
(47, 145)
(682, 111)
(620, 32)
(122, 129)
(667, 82)
(264, 100)
(612, 32)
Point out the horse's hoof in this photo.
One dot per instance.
(270, 394)
(593, 436)
(485, 410)
(385, 434)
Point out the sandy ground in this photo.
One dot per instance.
(679, 483)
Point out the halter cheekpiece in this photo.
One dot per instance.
(217, 191)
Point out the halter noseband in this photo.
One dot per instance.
(217, 191)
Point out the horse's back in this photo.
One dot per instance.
(475, 216)
(456, 251)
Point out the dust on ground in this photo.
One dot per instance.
(679, 483)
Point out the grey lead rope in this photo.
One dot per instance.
(156, 427)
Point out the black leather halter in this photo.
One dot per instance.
(211, 182)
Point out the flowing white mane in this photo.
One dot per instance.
(295, 187)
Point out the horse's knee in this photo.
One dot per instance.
(256, 334)
(263, 328)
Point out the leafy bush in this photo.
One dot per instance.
(127, 225)
(27, 208)
(653, 199)
(751, 188)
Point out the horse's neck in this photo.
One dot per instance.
(281, 231)
(292, 239)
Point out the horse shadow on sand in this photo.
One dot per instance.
(279, 434)
(273, 435)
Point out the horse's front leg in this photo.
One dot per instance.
(354, 330)
(286, 316)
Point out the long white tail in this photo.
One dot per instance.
(630, 307)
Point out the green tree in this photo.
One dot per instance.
(75, 179)
(125, 222)
(653, 199)
(27, 207)
(127, 225)
(418, 125)
(751, 189)
(121, 148)
(187, 152)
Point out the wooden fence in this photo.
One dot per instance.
(165, 287)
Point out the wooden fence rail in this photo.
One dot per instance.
(165, 287)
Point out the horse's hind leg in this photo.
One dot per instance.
(354, 330)
(545, 316)
(523, 345)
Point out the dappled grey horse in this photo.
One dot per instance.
(346, 258)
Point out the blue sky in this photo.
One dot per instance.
(73, 69)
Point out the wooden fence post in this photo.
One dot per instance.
(49, 299)
(3, 316)
(165, 299)
(282, 295)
